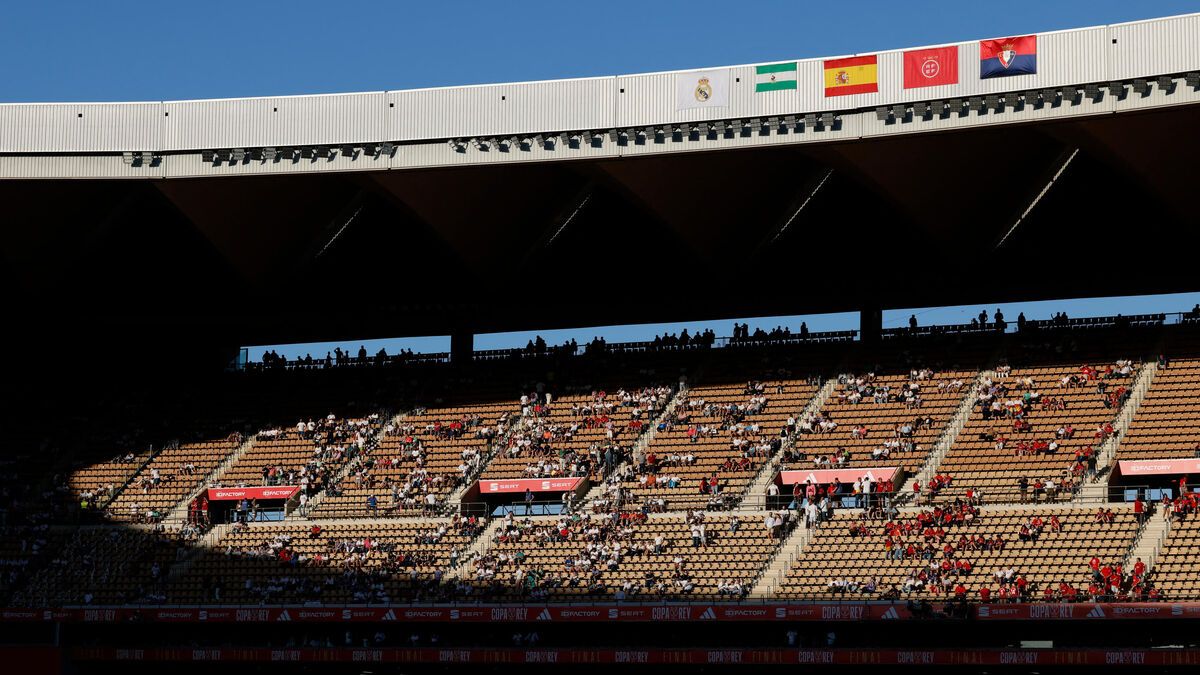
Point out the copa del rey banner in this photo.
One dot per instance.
(274, 492)
(826, 476)
(531, 484)
(702, 89)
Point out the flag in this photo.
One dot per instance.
(702, 89)
(854, 75)
(775, 76)
(930, 67)
(1008, 56)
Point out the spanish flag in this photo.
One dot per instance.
(855, 75)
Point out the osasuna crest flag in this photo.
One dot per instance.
(702, 89)
(1008, 56)
(930, 67)
(775, 76)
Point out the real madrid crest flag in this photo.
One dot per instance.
(702, 89)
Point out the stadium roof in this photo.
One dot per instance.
(1073, 181)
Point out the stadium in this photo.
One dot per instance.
(1003, 495)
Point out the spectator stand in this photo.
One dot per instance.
(1032, 552)
(1036, 426)
(172, 478)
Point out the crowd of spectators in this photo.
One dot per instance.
(408, 482)
(549, 446)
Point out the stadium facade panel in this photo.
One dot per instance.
(613, 116)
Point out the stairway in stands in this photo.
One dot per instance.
(953, 429)
(180, 512)
(639, 448)
(1137, 393)
(1150, 539)
(371, 443)
(779, 564)
(756, 493)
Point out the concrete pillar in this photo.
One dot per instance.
(462, 345)
(870, 324)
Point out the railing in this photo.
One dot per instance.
(346, 362)
(534, 508)
(1032, 325)
(260, 515)
(701, 343)
(385, 512)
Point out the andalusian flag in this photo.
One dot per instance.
(775, 76)
(855, 75)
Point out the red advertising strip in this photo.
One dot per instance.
(275, 492)
(833, 657)
(531, 484)
(1157, 467)
(826, 476)
(31, 659)
(880, 611)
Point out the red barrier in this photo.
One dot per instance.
(880, 611)
(1157, 467)
(276, 492)
(531, 484)
(849, 657)
(846, 476)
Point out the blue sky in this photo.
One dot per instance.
(53, 50)
(120, 51)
